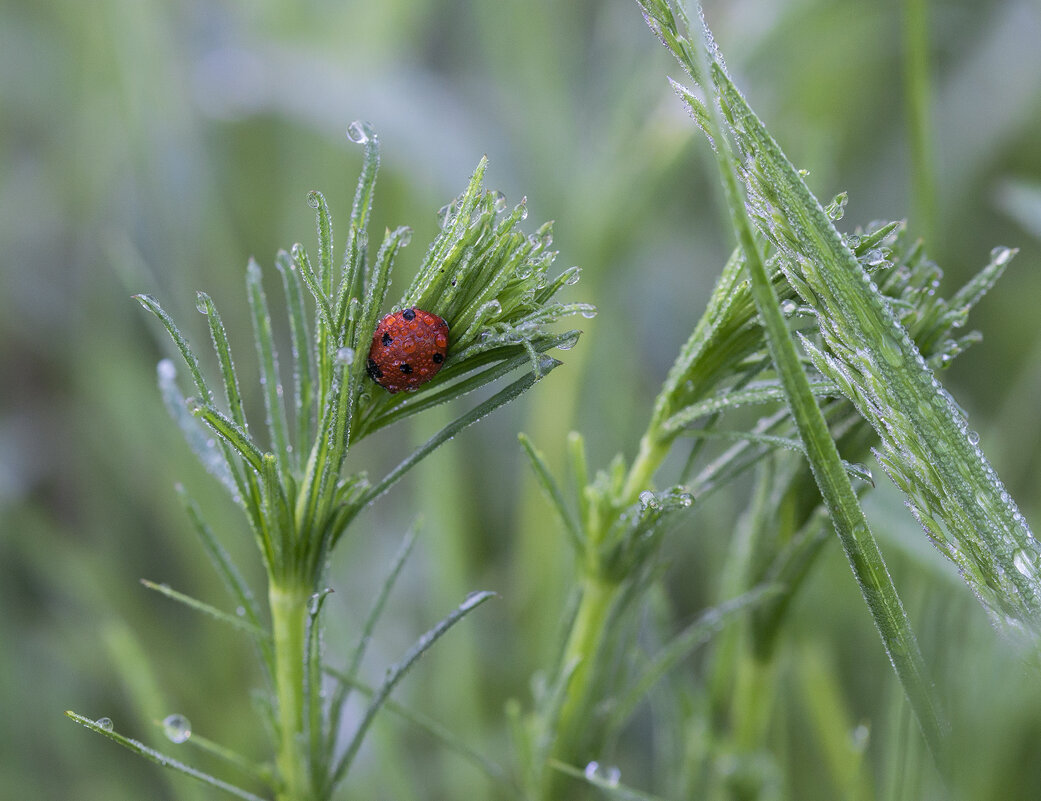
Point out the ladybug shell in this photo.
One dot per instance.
(408, 349)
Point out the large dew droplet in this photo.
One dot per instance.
(177, 728)
(359, 132)
(104, 723)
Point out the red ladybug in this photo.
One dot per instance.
(408, 349)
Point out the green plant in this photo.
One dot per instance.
(873, 331)
(490, 282)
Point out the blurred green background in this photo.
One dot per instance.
(154, 145)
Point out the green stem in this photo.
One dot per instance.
(288, 627)
(916, 99)
(583, 645)
(653, 450)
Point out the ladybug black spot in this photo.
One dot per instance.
(375, 373)
(406, 368)
(409, 314)
(386, 339)
(437, 358)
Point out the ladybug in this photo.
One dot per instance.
(408, 349)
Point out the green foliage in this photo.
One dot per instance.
(490, 282)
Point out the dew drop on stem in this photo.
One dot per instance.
(104, 723)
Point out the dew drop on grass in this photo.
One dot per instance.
(499, 202)
(974, 437)
(200, 303)
(589, 313)
(405, 237)
(608, 774)
(788, 308)
(104, 723)
(359, 132)
(177, 728)
(1024, 565)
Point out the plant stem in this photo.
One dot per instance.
(916, 100)
(583, 645)
(288, 626)
(653, 450)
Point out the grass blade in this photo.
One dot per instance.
(303, 368)
(163, 760)
(274, 403)
(848, 518)
(200, 606)
(501, 398)
(397, 672)
(342, 691)
(552, 491)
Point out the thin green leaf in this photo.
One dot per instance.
(316, 731)
(500, 398)
(227, 367)
(303, 368)
(397, 672)
(795, 445)
(229, 432)
(707, 625)
(163, 760)
(234, 621)
(767, 392)
(187, 354)
(270, 379)
(316, 200)
(439, 732)
(302, 263)
(553, 493)
(610, 785)
(212, 456)
(225, 568)
(348, 682)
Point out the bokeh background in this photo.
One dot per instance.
(154, 145)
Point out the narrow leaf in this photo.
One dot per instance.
(397, 672)
(163, 760)
(200, 606)
(270, 379)
(552, 491)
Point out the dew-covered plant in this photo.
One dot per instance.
(291, 475)
(839, 339)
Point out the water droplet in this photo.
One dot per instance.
(240, 611)
(647, 499)
(608, 774)
(499, 201)
(200, 302)
(345, 356)
(1002, 255)
(177, 728)
(589, 312)
(572, 279)
(405, 237)
(974, 438)
(1024, 565)
(104, 723)
(788, 308)
(359, 132)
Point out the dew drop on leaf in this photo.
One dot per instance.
(104, 723)
(177, 728)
